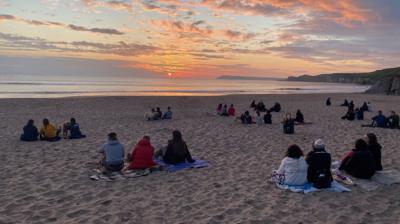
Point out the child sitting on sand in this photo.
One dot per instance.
(48, 132)
(319, 166)
(293, 168)
(176, 151)
(30, 132)
(72, 128)
(359, 162)
(113, 154)
(142, 155)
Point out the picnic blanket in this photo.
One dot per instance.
(118, 175)
(181, 166)
(308, 188)
(380, 178)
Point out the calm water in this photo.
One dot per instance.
(53, 86)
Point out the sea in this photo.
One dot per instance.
(52, 86)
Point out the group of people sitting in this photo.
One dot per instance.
(357, 113)
(260, 106)
(224, 111)
(381, 121)
(362, 162)
(49, 132)
(157, 114)
(143, 155)
(246, 118)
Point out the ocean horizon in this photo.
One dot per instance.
(75, 86)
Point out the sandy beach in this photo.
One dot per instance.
(43, 182)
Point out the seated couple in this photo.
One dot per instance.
(71, 130)
(365, 159)
(381, 121)
(48, 132)
(246, 118)
(156, 114)
(142, 154)
(315, 168)
(224, 111)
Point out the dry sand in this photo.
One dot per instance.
(44, 182)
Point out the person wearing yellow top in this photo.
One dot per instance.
(49, 132)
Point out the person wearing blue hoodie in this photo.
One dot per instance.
(113, 154)
(167, 115)
(379, 120)
(30, 132)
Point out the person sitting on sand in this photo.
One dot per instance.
(276, 107)
(113, 154)
(293, 166)
(319, 166)
(72, 128)
(328, 102)
(176, 151)
(268, 118)
(30, 132)
(219, 109)
(259, 119)
(350, 115)
(246, 118)
(253, 104)
(167, 115)
(375, 148)
(364, 107)
(393, 120)
(152, 115)
(142, 155)
(345, 103)
(359, 114)
(231, 110)
(351, 105)
(224, 111)
(158, 114)
(48, 132)
(379, 120)
(299, 117)
(359, 162)
(261, 106)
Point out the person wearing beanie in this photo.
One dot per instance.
(319, 165)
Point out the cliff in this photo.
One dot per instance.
(385, 81)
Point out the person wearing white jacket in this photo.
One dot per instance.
(294, 166)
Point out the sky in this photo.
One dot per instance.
(198, 38)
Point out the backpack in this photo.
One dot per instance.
(322, 179)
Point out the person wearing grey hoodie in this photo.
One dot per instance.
(113, 154)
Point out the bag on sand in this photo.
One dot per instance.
(322, 180)
(288, 124)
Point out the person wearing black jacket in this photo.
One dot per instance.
(328, 102)
(299, 117)
(359, 162)
(30, 132)
(268, 118)
(177, 150)
(375, 148)
(319, 166)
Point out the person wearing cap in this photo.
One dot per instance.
(359, 162)
(113, 154)
(319, 165)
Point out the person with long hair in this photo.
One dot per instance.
(293, 166)
(359, 162)
(177, 150)
(375, 149)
